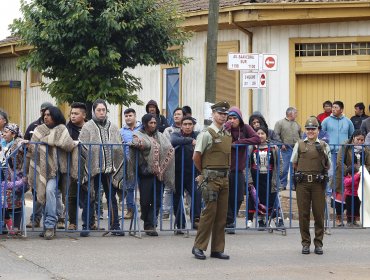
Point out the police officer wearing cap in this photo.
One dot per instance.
(212, 157)
(311, 161)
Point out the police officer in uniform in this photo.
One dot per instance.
(212, 157)
(311, 161)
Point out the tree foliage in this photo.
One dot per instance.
(85, 47)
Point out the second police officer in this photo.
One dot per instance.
(311, 162)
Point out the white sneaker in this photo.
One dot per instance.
(249, 224)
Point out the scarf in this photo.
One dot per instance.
(157, 154)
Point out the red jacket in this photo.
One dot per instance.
(348, 184)
(323, 116)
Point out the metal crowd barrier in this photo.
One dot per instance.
(284, 206)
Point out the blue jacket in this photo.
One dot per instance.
(339, 130)
(127, 134)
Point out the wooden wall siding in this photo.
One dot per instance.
(150, 80)
(8, 70)
(273, 101)
(10, 101)
(193, 77)
(194, 72)
(313, 90)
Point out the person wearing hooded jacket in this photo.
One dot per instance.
(152, 108)
(256, 120)
(241, 134)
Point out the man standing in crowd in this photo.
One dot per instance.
(152, 108)
(185, 142)
(212, 157)
(365, 126)
(339, 127)
(288, 132)
(127, 131)
(36, 123)
(359, 115)
(36, 216)
(327, 106)
(241, 134)
(178, 114)
(311, 161)
(74, 126)
(188, 113)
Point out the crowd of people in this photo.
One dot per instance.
(72, 164)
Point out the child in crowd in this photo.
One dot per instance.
(351, 185)
(264, 164)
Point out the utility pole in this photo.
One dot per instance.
(211, 66)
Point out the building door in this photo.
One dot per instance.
(10, 102)
(313, 90)
(172, 92)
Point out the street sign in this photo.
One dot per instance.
(15, 84)
(269, 62)
(243, 61)
(254, 80)
(262, 80)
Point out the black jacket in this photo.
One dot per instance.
(162, 123)
(31, 128)
(179, 142)
(357, 120)
(74, 130)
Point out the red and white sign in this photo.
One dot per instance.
(254, 80)
(269, 62)
(262, 80)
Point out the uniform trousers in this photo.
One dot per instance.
(213, 217)
(311, 194)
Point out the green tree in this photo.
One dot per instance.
(85, 47)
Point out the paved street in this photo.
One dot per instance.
(257, 255)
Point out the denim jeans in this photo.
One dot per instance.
(50, 210)
(130, 198)
(36, 216)
(167, 200)
(287, 154)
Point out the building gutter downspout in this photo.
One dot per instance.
(250, 50)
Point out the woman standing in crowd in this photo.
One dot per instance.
(264, 162)
(345, 161)
(156, 166)
(47, 162)
(13, 184)
(102, 161)
(256, 120)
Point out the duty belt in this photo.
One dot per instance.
(310, 178)
(211, 173)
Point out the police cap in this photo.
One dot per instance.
(311, 123)
(221, 107)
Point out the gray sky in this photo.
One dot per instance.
(9, 10)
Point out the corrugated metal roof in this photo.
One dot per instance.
(8, 40)
(198, 5)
